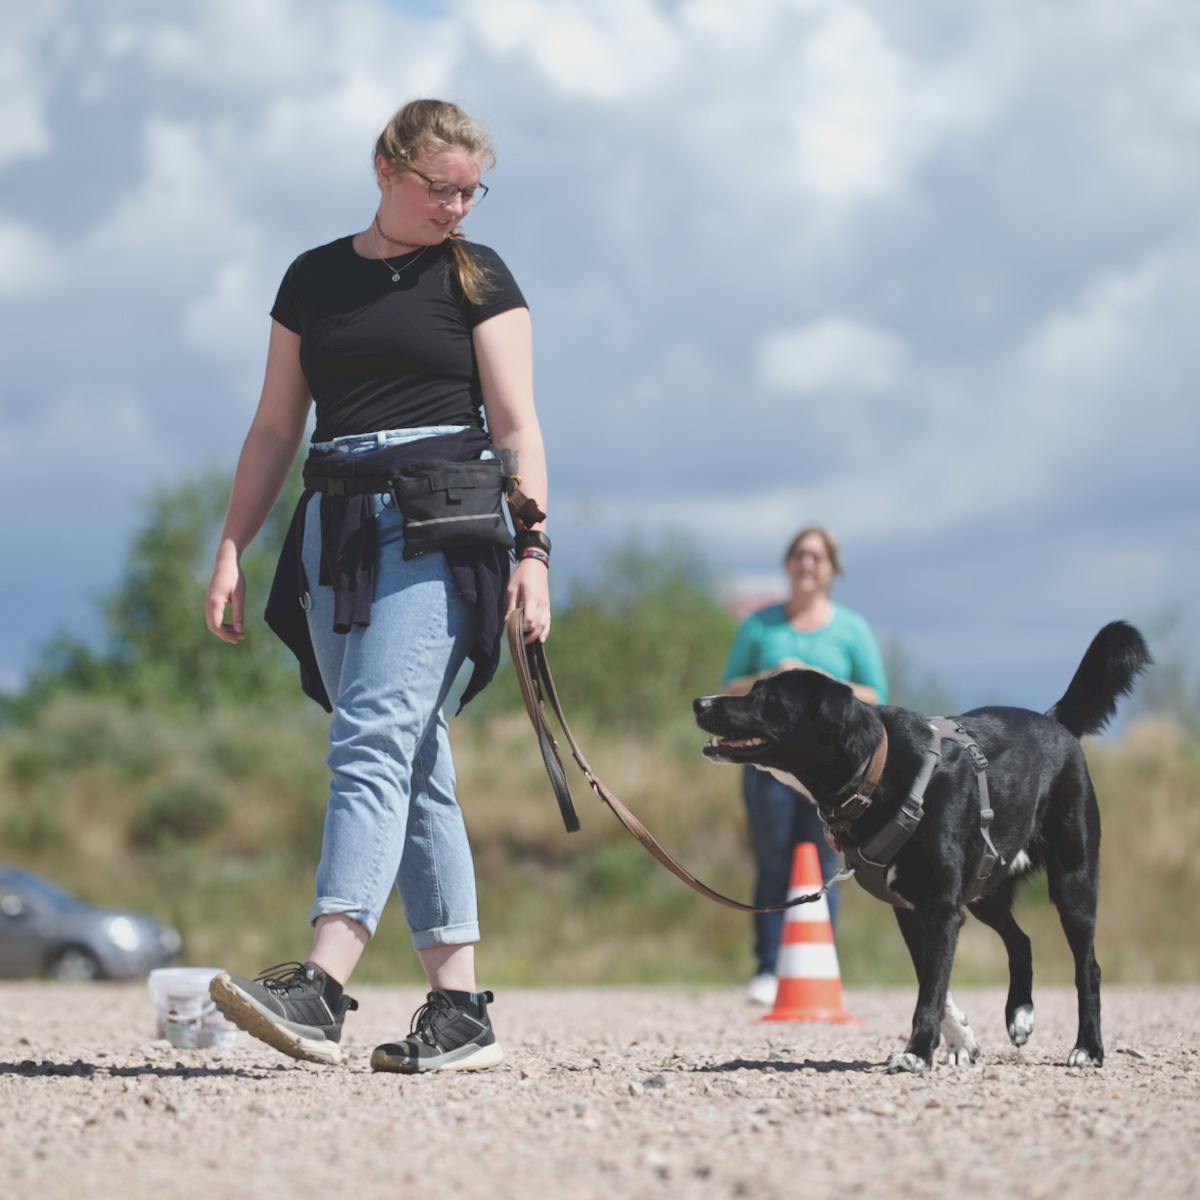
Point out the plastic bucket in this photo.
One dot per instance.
(186, 1015)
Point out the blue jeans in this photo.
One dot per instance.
(392, 816)
(779, 818)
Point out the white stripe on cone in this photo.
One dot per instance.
(808, 960)
(813, 913)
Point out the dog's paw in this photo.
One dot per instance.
(904, 1061)
(961, 1056)
(1079, 1057)
(961, 1047)
(1021, 1025)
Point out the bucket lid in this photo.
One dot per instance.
(181, 980)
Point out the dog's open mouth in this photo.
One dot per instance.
(734, 749)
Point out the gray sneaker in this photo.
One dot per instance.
(285, 1007)
(445, 1036)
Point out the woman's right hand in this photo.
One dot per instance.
(267, 455)
(228, 588)
(788, 664)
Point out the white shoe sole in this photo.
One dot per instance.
(245, 1014)
(481, 1060)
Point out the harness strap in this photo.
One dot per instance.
(875, 855)
(533, 674)
(879, 850)
(987, 858)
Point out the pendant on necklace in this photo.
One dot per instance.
(396, 277)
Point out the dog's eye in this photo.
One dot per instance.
(774, 711)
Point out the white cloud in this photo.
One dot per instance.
(180, 212)
(28, 262)
(228, 44)
(811, 97)
(235, 49)
(865, 507)
(832, 354)
(599, 50)
(1095, 333)
(305, 87)
(229, 325)
(104, 435)
(26, 78)
(864, 114)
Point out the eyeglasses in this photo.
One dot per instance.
(443, 193)
(801, 555)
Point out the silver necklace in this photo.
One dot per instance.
(378, 246)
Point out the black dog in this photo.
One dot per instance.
(810, 729)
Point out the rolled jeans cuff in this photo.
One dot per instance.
(329, 906)
(446, 935)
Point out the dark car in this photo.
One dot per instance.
(44, 929)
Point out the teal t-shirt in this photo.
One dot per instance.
(846, 647)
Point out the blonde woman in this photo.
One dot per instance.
(807, 630)
(405, 336)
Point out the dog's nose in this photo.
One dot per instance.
(701, 703)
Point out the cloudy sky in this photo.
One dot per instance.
(925, 271)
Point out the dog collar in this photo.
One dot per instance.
(864, 784)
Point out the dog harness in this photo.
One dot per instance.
(873, 857)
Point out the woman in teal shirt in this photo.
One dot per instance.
(808, 631)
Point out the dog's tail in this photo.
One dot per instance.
(1116, 657)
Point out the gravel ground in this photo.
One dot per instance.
(621, 1092)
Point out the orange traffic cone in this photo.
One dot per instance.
(810, 984)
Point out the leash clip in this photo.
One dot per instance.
(842, 875)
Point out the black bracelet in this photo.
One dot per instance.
(532, 537)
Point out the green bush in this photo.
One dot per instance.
(237, 755)
(187, 810)
(620, 869)
(32, 828)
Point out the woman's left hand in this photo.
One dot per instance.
(504, 353)
(529, 585)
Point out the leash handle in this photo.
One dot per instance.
(533, 674)
(531, 694)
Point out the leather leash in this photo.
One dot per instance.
(523, 659)
(533, 675)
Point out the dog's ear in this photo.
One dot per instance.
(835, 706)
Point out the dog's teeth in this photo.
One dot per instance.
(735, 743)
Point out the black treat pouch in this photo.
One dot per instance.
(452, 504)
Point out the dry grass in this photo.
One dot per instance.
(1149, 790)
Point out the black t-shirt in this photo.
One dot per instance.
(384, 355)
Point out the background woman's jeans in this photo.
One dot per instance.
(392, 816)
(779, 817)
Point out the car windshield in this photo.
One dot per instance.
(43, 889)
